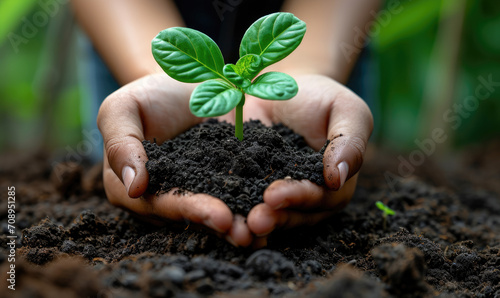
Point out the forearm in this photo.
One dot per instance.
(330, 40)
(122, 30)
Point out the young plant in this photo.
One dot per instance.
(190, 56)
(386, 211)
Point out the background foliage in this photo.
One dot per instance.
(425, 59)
(428, 59)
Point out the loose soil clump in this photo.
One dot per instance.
(209, 159)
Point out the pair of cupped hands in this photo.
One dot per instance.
(156, 106)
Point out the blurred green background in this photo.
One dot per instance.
(427, 58)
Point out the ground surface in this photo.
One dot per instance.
(444, 241)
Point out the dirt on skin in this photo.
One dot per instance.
(443, 241)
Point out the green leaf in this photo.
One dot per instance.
(385, 208)
(188, 55)
(245, 70)
(273, 37)
(231, 73)
(249, 66)
(214, 98)
(389, 211)
(274, 86)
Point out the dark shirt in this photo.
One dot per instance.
(225, 21)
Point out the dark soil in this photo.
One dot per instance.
(443, 241)
(209, 159)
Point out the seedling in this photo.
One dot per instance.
(386, 210)
(190, 56)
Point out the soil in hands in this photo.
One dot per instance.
(209, 159)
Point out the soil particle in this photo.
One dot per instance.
(209, 159)
(66, 176)
(87, 224)
(432, 252)
(266, 263)
(89, 251)
(463, 265)
(173, 273)
(68, 246)
(64, 277)
(402, 268)
(47, 234)
(39, 256)
(349, 282)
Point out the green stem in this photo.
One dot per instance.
(238, 125)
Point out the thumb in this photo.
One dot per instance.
(121, 127)
(350, 127)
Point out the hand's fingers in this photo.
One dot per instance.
(305, 195)
(332, 111)
(152, 107)
(196, 208)
(262, 219)
(289, 203)
(239, 234)
(121, 127)
(349, 129)
(119, 121)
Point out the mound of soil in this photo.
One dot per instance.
(209, 159)
(71, 242)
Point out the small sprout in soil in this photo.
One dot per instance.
(386, 210)
(190, 56)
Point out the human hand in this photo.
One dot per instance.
(156, 106)
(322, 109)
(140, 111)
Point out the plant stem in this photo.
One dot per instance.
(238, 125)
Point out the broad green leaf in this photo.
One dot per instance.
(231, 73)
(385, 208)
(273, 85)
(249, 66)
(245, 70)
(273, 37)
(188, 55)
(214, 98)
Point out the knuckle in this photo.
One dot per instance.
(121, 100)
(105, 109)
(358, 147)
(112, 147)
(365, 110)
(194, 208)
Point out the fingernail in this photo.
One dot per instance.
(128, 175)
(230, 240)
(343, 171)
(282, 205)
(211, 225)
